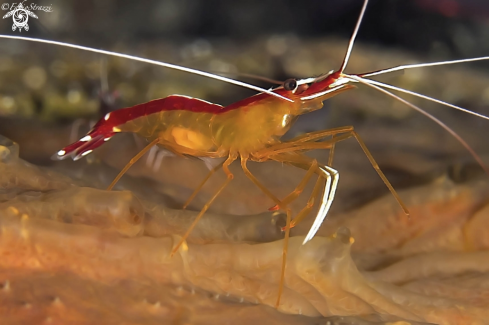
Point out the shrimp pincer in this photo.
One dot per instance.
(250, 130)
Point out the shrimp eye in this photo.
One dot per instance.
(290, 84)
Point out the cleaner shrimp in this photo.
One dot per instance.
(250, 130)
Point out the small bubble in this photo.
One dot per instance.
(7, 105)
(277, 45)
(74, 96)
(34, 77)
(221, 66)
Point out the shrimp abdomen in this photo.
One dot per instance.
(149, 120)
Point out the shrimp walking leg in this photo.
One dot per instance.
(284, 259)
(307, 137)
(282, 204)
(331, 151)
(132, 162)
(312, 167)
(286, 228)
(310, 203)
(256, 182)
(377, 169)
(307, 142)
(230, 176)
(197, 190)
(329, 174)
(300, 188)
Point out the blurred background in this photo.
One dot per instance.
(438, 27)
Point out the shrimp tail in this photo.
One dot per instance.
(94, 139)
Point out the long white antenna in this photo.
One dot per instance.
(384, 85)
(136, 58)
(422, 65)
(352, 39)
(443, 125)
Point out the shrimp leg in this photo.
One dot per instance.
(307, 142)
(288, 152)
(329, 174)
(256, 182)
(283, 204)
(300, 188)
(331, 151)
(230, 176)
(324, 172)
(132, 162)
(309, 205)
(247, 173)
(197, 190)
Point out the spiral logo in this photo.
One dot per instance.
(20, 17)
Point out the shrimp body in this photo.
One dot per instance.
(196, 127)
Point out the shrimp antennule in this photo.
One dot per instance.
(384, 85)
(421, 65)
(368, 82)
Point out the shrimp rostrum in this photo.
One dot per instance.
(250, 130)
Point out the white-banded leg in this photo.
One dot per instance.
(331, 177)
(294, 148)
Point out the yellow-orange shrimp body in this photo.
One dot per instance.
(199, 128)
